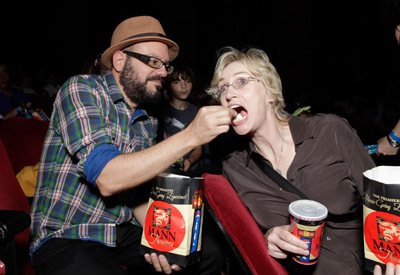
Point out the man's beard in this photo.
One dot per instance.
(137, 91)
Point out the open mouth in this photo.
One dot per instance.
(241, 113)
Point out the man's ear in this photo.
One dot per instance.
(397, 34)
(118, 59)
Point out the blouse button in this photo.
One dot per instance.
(291, 180)
(328, 238)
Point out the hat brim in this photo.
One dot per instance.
(106, 57)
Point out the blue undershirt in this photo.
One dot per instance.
(98, 159)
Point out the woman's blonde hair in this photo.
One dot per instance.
(258, 64)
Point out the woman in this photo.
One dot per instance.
(321, 155)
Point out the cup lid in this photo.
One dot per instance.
(308, 210)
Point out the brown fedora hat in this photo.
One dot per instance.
(135, 30)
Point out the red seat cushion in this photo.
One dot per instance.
(11, 195)
(239, 225)
(13, 198)
(23, 139)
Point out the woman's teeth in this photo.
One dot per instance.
(238, 118)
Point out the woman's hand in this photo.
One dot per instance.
(391, 269)
(281, 242)
(160, 263)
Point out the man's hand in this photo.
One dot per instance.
(391, 269)
(209, 122)
(384, 148)
(160, 263)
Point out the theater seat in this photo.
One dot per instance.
(14, 212)
(239, 227)
(23, 139)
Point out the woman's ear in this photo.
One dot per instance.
(271, 99)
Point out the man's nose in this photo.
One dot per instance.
(162, 71)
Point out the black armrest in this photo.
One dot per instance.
(12, 222)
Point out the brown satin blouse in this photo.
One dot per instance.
(328, 165)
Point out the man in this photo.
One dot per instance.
(390, 144)
(99, 152)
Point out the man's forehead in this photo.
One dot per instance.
(152, 48)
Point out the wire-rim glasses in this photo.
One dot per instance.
(151, 61)
(238, 84)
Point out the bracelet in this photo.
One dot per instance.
(394, 137)
(392, 142)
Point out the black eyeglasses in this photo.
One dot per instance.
(151, 61)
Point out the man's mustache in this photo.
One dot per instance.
(156, 77)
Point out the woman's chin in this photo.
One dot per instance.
(241, 129)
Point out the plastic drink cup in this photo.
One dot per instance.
(307, 219)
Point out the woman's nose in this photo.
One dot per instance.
(230, 93)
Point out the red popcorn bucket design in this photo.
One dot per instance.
(174, 219)
(381, 216)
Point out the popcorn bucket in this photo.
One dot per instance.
(174, 219)
(381, 216)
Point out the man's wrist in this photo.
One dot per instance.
(394, 136)
(392, 141)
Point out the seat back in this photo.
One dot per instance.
(239, 226)
(13, 198)
(23, 139)
(11, 195)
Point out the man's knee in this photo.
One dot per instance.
(63, 256)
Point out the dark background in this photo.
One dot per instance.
(335, 55)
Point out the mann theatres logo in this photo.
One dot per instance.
(165, 226)
(389, 231)
(382, 236)
(162, 217)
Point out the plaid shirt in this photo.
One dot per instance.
(89, 111)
